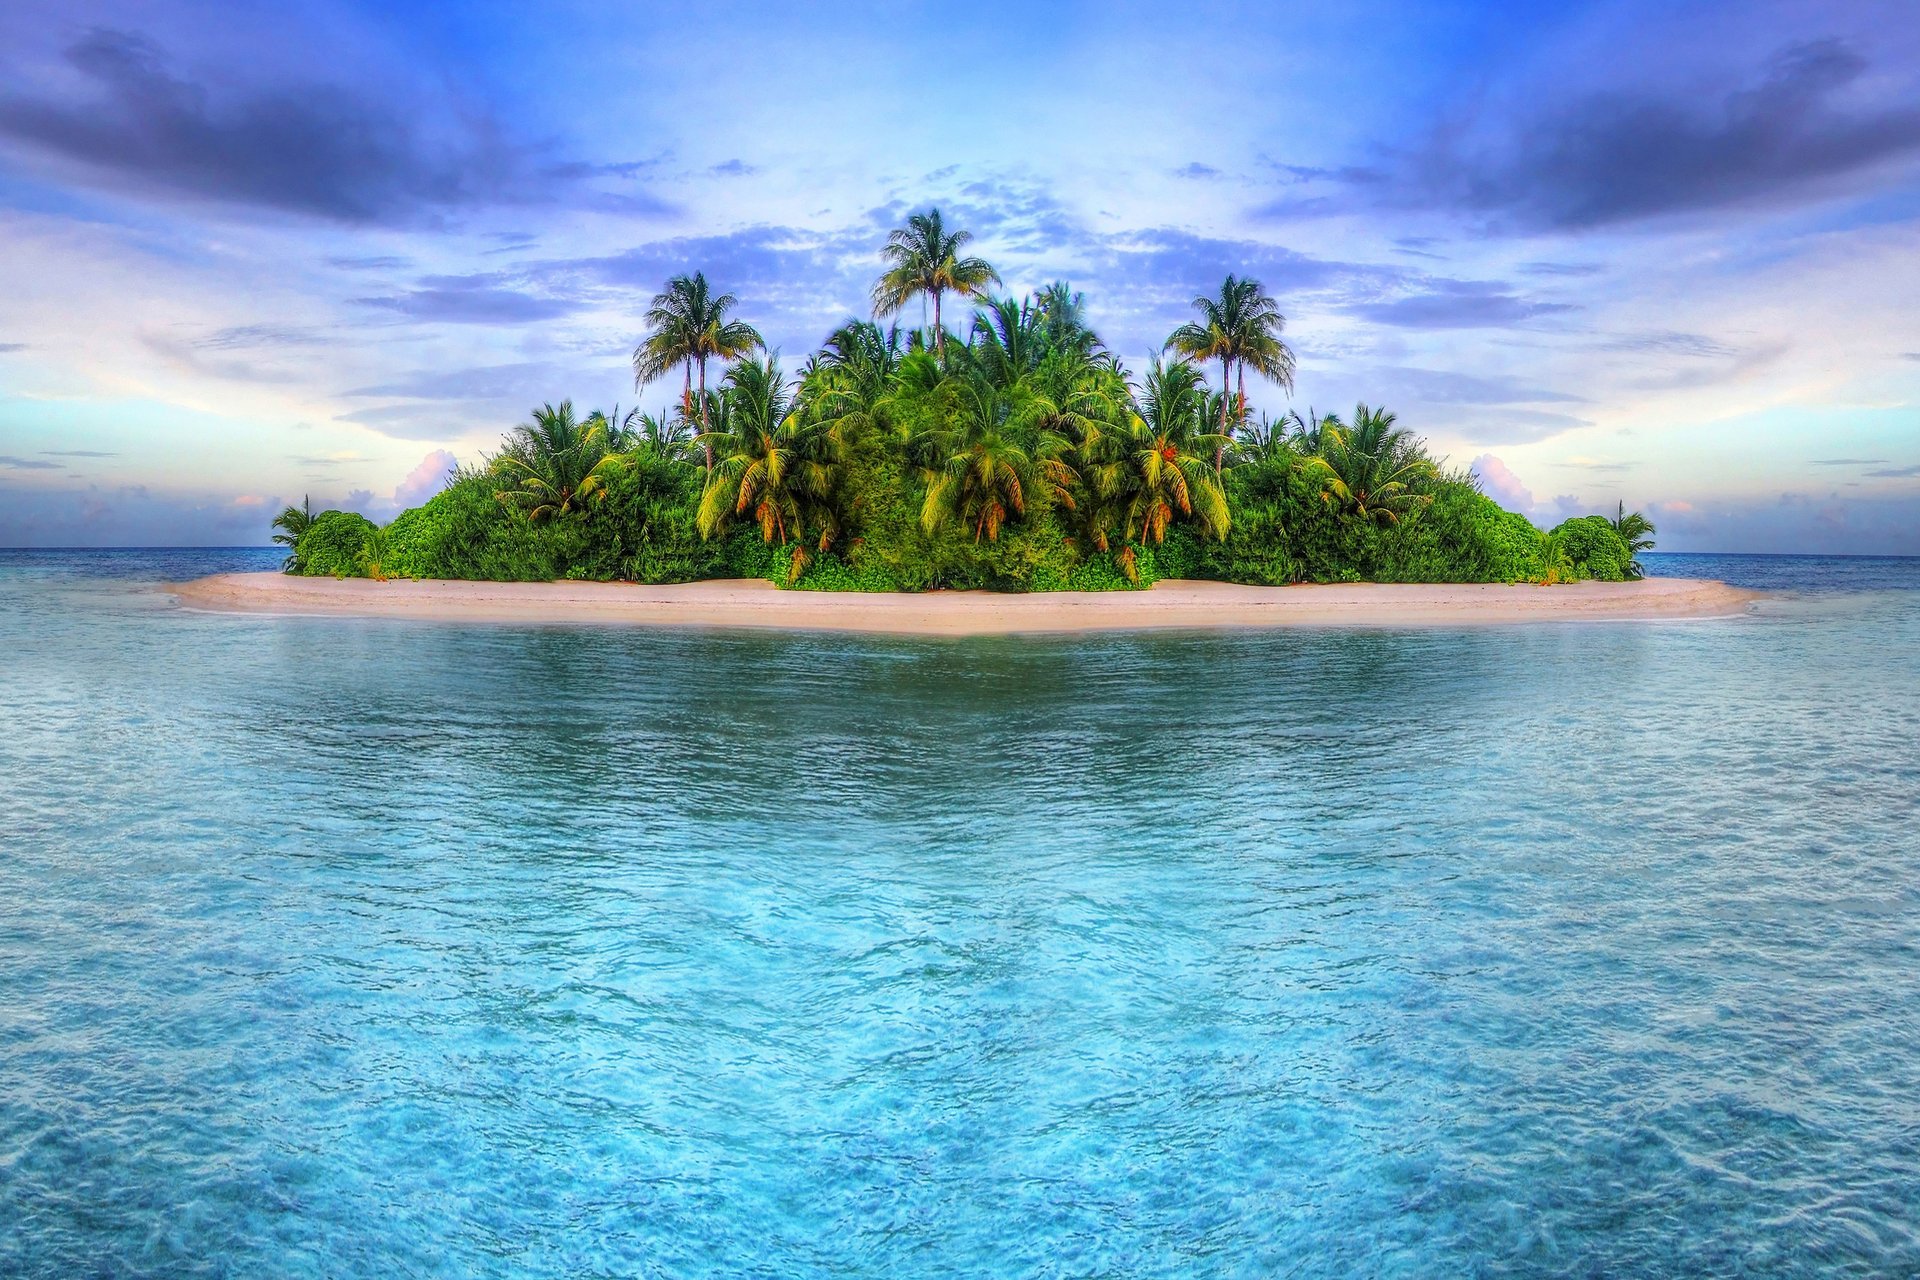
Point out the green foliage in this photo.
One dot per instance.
(1018, 456)
(291, 523)
(331, 545)
(1595, 548)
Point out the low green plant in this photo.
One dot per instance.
(331, 545)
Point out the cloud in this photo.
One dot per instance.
(1196, 170)
(26, 464)
(1448, 386)
(126, 516)
(1458, 304)
(76, 453)
(1670, 343)
(1561, 268)
(1845, 462)
(475, 299)
(1498, 482)
(1810, 121)
(425, 480)
(312, 149)
(1895, 473)
(488, 382)
(1500, 425)
(732, 169)
(7, 347)
(375, 263)
(241, 337)
(413, 421)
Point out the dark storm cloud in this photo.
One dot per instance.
(314, 149)
(476, 299)
(1458, 304)
(1621, 156)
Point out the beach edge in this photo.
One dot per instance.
(750, 604)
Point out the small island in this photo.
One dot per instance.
(928, 466)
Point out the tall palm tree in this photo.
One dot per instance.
(1637, 532)
(1373, 470)
(1241, 328)
(923, 261)
(555, 466)
(291, 523)
(687, 326)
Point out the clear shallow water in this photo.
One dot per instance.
(351, 948)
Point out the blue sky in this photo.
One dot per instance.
(1665, 254)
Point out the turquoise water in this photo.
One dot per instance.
(381, 949)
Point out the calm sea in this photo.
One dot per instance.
(354, 948)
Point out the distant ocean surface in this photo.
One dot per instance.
(373, 948)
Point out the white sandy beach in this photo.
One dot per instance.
(1166, 606)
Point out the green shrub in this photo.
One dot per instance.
(332, 544)
(1595, 548)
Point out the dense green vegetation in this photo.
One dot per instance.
(1018, 455)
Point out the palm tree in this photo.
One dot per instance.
(981, 474)
(292, 522)
(1240, 328)
(923, 260)
(773, 464)
(1637, 532)
(1372, 470)
(687, 325)
(1008, 341)
(556, 466)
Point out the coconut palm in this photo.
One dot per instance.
(774, 464)
(687, 326)
(1241, 329)
(292, 522)
(554, 465)
(923, 261)
(1065, 313)
(1637, 532)
(848, 378)
(1373, 470)
(1008, 341)
(982, 474)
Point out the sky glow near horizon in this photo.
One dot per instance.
(1666, 255)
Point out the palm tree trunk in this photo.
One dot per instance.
(1241, 409)
(1226, 394)
(939, 333)
(706, 443)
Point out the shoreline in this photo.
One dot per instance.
(1166, 606)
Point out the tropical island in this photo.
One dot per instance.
(1017, 456)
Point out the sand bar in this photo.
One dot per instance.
(1166, 606)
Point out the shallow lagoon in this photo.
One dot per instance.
(337, 947)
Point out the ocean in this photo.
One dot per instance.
(336, 947)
